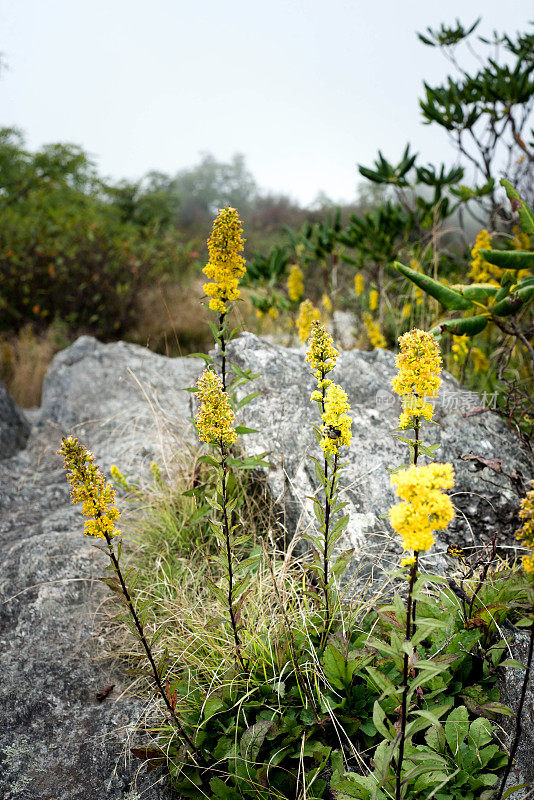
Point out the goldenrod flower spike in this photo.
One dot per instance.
(215, 417)
(525, 534)
(425, 508)
(337, 422)
(373, 300)
(321, 355)
(295, 283)
(359, 284)
(226, 265)
(89, 486)
(419, 366)
(374, 333)
(307, 314)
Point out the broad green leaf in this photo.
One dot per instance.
(509, 259)
(447, 297)
(477, 292)
(513, 303)
(469, 326)
(456, 728)
(252, 739)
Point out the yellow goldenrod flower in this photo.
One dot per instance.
(521, 240)
(337, 422)
(374, 333)
(419, 366)
(525, 534)
(295, 283)
(326, 303)
(406, 310)
(480, 360)
(215, 417)
(373, 300)
(321, 355)
(359, 284)
(408, 561)
(273, 312)
(425, 508)
(226, 265)
(482, 271)
(307, 314)
(460, 347)
(89, 487)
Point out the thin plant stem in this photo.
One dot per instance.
(142, 637)
(415, 457)
(404, 701)
(327, 519)
(228, 553)
(222, 318)
(519, 713)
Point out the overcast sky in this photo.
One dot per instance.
(306, 89)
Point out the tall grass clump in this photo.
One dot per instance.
(271, 679)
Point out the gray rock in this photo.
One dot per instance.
(14, 428)
(510, 685)
(284, 417)
(57, 742)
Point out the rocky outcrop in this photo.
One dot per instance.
(126, 403)
(14, 428)
(57, 741)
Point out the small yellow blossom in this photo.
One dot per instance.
(337, 422)
(406, 310)
(326, 303)
(480, 360)
(425, 507)
(89, 487)
(525, 534)
(408, 561)
(273, 312)
(226, 265)
(373, 300)
(374, 333)
(295, 283)
(482, 271)
(419, 366)
(307, 314)
(521, 240)
(460, 348)
(321, 355)
(359, 284)
(215, 417)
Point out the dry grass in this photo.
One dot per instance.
(172, 319)
(24, 360)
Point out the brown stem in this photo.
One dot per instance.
(223, 349)
(228, 548)
(404, 702)
(328, 506)
(142, 637)
(519, 712)
(415, 457)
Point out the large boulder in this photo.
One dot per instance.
(57, 741)
(14, 428)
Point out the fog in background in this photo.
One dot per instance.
(305, 90)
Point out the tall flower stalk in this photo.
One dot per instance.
(334, 434)
(424, 507)
(89, 487)
(215, 426)
(225, 268)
